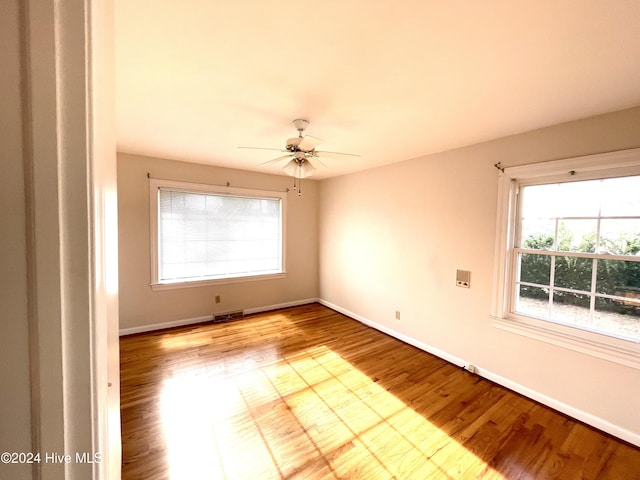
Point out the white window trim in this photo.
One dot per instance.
(624, 162)
(154, 186)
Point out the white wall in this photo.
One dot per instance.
(141, 307)
(392, 238)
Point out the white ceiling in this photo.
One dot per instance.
(390, 80)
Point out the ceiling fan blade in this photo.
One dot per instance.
(264, 148)
(334, 154)
(276, 160)
(314, 158)
(308, 143)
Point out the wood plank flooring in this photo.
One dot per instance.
(307, 393)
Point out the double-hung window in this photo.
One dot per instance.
(568, 254)
(205, 234)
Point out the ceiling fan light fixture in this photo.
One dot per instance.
(292, 143)
(299, 168)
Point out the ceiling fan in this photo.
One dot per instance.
(302, 154)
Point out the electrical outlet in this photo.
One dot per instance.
(471, 368)
(217, 298)
(397, 314)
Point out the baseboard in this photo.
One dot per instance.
(580, 415)
(277, 306)
(568, 410)
(161, 326)
(208, 318)
(400, 336)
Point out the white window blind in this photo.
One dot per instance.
(203, 236)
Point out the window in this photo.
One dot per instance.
(568, 254)
(577, 255)
(203, 234)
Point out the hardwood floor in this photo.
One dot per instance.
(306, 393)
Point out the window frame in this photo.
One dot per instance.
(612, 164)
(154, 193)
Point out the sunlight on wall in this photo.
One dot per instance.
(312, 414)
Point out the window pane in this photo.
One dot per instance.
(538, 234)
(535, 201)
(532, 301)
(621, 318)
(571, 308)
(578, 199)
(620, 236)
(556, 200)
(621, 197)
(577, 235)
(573, 272)
(540, 201)
(535, 268)
(617, 277)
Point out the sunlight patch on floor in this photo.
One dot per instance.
(179, 340)
(310, 415)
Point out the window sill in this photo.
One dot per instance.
(217, 281)
(624, 352)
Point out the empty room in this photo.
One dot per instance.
(330, 280)
(321, 240)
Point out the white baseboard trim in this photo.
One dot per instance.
(400, 336)
(161, 326)
(208, 318)
(585, 417)
(277, 306)
(568, 410)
